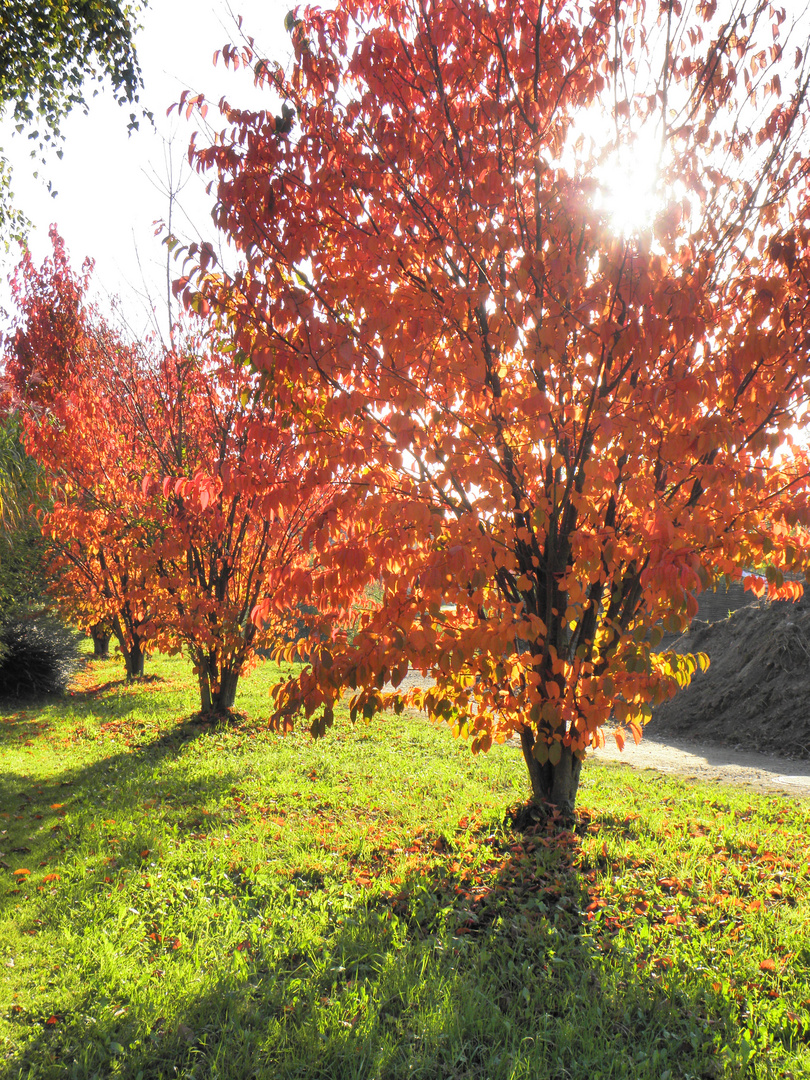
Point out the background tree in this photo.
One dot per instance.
(67, 367)
(557, 433)
(49, 51)
(23, 581)
(179, 502)
(233, 502)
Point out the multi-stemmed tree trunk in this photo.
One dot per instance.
(552, 782)
(218, 683)
(132, 646)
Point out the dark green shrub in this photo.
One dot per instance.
(38, 654)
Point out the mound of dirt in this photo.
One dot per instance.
(756, 693)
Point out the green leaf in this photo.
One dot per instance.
(540, 751)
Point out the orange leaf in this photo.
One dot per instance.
(21, 872)
(768, 965)
(52, 877)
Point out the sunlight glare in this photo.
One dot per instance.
(631, 191)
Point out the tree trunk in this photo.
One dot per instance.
(216, 694)
(101, 641)
(205, 690)
(133, 659)
(227, 690)
(555, 784)
(134, 656)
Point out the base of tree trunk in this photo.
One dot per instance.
(222, 701)
(101, 642)
(214, 717)
(552, 785)
(134, 660)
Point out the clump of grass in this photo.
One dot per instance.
(226, 902)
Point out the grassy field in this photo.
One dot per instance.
(181, 901)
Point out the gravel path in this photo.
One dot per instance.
(699, 761)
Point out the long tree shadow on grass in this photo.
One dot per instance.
(26, 716)
(504, 968)
(128, 782)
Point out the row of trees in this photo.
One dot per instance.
(179, 500)
(440, 366)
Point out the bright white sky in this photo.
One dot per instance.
(111, 185)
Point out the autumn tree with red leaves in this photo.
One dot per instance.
(63, 361)
(234, 502)
(557, 433)
(180, 504)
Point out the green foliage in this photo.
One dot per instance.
(186, 900)
(17, 471)
(38, 654)
(22, 576)
(49, 49)
(22, 548)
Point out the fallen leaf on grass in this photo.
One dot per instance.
(21, 872)
(768, 965)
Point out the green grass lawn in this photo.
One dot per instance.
(181, 901)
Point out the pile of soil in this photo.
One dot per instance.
(756, 693)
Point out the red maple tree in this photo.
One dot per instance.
(233, 502)
(560, 434)
(64, 361)
(557, 433)
(180, 504)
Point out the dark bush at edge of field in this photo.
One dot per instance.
(38, 654)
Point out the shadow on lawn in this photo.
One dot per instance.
(497, 973)
(21, 717)
(34, 811)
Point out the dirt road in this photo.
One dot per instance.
(698, 761)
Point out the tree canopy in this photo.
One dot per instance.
(49, 50)
(557, 433)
